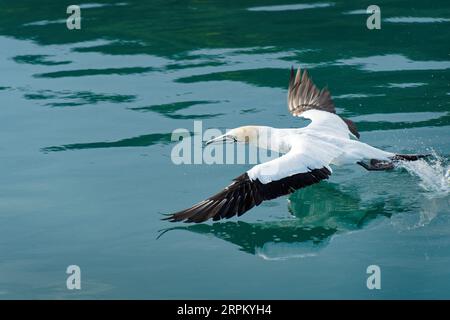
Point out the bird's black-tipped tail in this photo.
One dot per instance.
(410, 157)
(381, 165)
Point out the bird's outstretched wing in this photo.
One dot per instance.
(307, 163)
(303, 95)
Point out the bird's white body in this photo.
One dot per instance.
(325, 141)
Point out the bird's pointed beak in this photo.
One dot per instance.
(222, 138)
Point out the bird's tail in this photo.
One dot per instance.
(377, 165)
(410, 157)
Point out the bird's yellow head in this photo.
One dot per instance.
(246, 134)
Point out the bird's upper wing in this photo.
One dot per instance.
(304, 97)
(307, 163)
(323, 122)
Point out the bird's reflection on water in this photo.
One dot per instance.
(319, 211)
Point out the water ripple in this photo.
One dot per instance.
(289, 7)
(416, 20)
(393, 62)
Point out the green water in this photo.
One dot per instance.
(85, 123)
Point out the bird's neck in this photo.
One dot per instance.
(269, 138)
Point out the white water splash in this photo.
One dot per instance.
(434, 174)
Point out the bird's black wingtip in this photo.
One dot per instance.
(176, 217)
(292, 74)
(168, 217)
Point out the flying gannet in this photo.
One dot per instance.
(307, 152)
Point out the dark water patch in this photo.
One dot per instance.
(94, 72)
(39, 59)
(251, 110)
(139, 141)
(64, 104)
(264, 77)
(90, 97)
(39, 96)
(397, 117)
(181, 66)
(361, 92)
(174, 28)
(169, 110)
(78, 98)
(395, 102)
(194, 116)
(385, 125)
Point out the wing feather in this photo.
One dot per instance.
(303, 95)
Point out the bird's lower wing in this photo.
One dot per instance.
(245, 193)
(297, 169)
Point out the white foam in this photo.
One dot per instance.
(434, 174)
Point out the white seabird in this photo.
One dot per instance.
(307, 155)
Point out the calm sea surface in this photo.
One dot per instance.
(86, 118)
